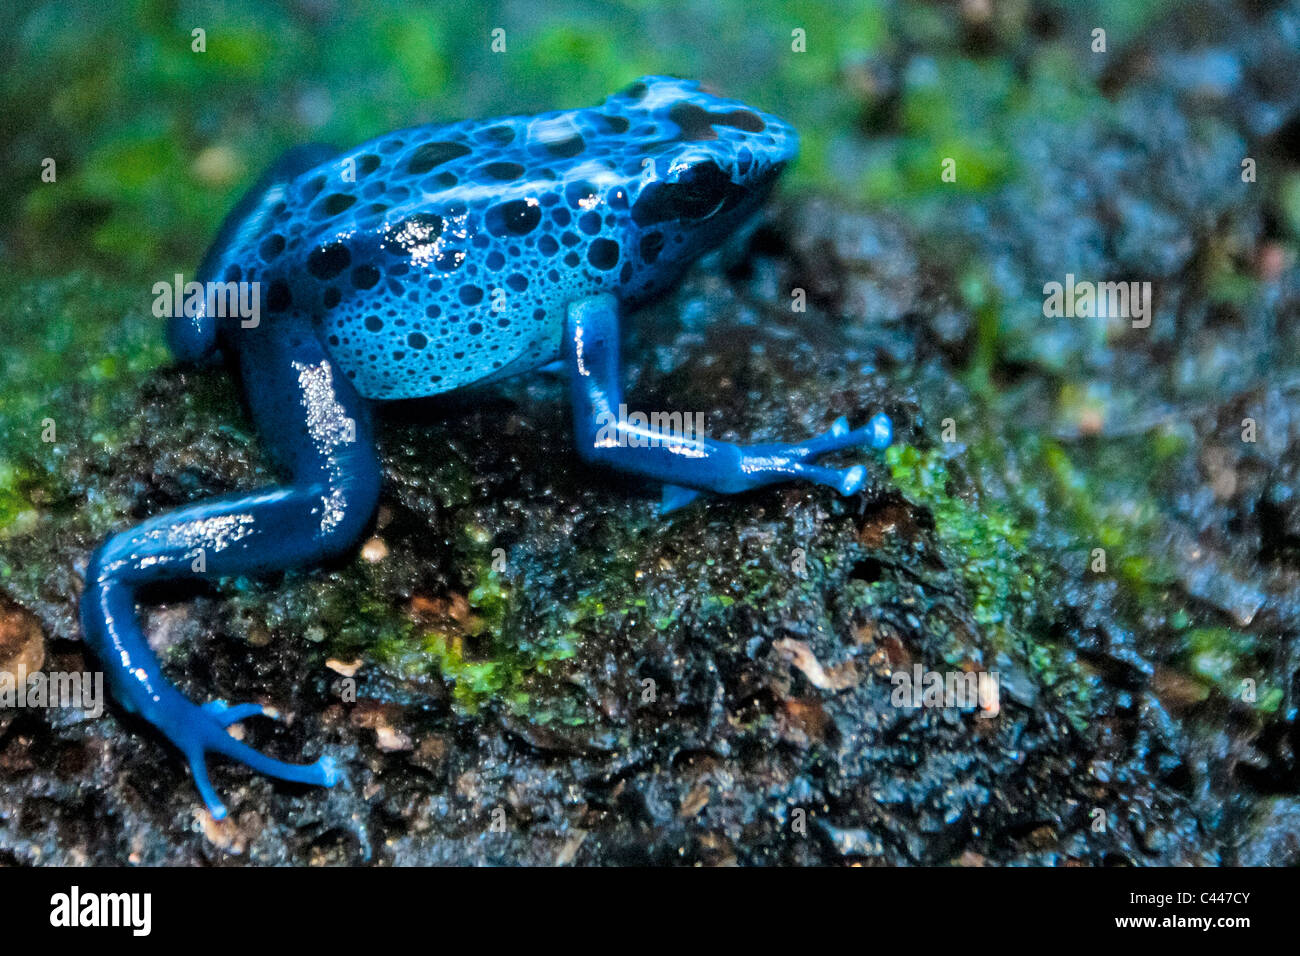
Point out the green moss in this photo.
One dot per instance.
(1224, 658)
(1289, 199)
(989, 544)
(977, 292)
(483, 659)
(1112, 502)
(74, 351)
(490, 598)
(986, 543)
(17, 514)
(1006, 581)
(950, 110)
(1121, 517)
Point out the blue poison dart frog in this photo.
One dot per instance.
(426, 260)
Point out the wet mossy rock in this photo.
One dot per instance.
(712, 687)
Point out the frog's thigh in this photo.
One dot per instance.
(317, 427)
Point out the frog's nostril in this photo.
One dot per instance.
(744, 159)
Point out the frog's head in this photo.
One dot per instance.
(706, 164)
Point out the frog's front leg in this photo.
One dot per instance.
(318, 426)
(687, 465)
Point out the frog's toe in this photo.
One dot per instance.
(852, 480)
(329, 769)
(878, 433)
(199, 768)
(846, 481)
(228, 714)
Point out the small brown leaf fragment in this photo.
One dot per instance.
(695, 801)
(891, 655)
(891, 518)
(346, 668)
(716, 850)
(458, 607)
(430, 752)
(801, 656)
(382, 718)
(389, 739)
(224, 834)
(802, 721)
(866, 633)
(453, 608)
(374, 550)
(1177, 690)
(570, 848)
(1043, 837)
(426, 607)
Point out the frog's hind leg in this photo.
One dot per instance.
(318, 425)
(688, 465)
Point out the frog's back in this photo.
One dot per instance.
(444, 255)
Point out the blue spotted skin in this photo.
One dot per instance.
(420, 262)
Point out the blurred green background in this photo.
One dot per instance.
(153, 140)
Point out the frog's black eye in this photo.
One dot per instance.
(700, 193)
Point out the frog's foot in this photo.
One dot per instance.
(138, 683)
(877, 434)
(773, 464)
(794, 460)
(198, 731)
(111, 630)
